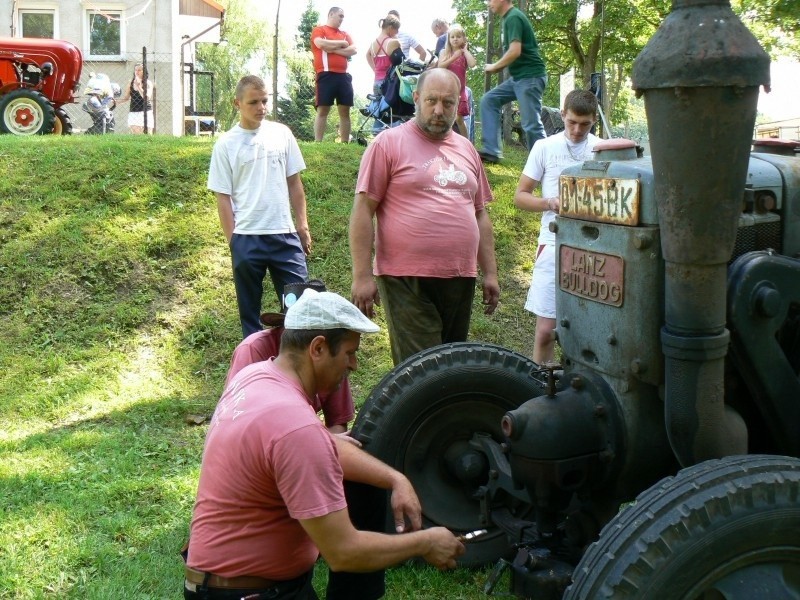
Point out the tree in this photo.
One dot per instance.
(606, 36)
(308, 20)
(247, 52)
(297, 110)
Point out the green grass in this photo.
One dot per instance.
(118, 320)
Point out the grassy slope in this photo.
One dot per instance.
(119, 318)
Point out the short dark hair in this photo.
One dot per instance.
(581, 102)
(334, 10)
(300, 339)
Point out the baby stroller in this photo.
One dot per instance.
(100, 103)
(395, 103)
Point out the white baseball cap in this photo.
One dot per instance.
(326, 310)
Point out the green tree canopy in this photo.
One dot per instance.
(247, 52)
(308, 20)
(606, 36)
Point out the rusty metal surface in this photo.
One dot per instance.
(592, 275)
(701, 44)
(600, 199)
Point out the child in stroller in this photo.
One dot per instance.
(100, 103)
(395, 104)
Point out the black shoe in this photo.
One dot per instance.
(488, 158)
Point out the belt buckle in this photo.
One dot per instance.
(190, 587)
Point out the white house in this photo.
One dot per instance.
(115, 35)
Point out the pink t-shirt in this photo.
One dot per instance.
(428, 192)
(267, 462)
(262, 345)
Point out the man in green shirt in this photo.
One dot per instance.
(525, 85)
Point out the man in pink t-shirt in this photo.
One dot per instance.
(270, 498)
(426, 189)
(337, 407)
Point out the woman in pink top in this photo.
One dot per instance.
(458, 59)
(380, 51)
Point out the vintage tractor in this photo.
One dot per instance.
(37, 77)
(659, 460)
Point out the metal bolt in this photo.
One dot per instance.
(577, 383)
(637, 366)
(565, 323)
(553, 227)
(599, 410)
(612, 340)
(642, 241)
(767, 301)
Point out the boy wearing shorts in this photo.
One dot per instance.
(547, 159)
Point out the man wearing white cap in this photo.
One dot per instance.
(270, 498)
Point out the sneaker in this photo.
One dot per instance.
(488, 158)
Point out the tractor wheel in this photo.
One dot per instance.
(420, 418)
(63, 123)
(725, 529)
(26, 112)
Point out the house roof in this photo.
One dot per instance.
(201, 8)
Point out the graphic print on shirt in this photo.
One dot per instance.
(445, 176)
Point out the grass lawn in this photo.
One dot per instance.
(118, 320)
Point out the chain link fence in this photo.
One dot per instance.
(189, 111)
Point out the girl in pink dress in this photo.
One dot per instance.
(458, 59)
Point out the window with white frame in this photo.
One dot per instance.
(37, 23)
(104, 34)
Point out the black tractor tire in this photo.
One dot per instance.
(725, 529)
(63, 123)
(421, 416)
(26, 112)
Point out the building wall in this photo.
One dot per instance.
(158, 28)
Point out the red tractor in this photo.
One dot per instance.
(37, 77)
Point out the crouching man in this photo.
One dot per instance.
(270, 498)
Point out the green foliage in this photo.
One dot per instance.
(297, 110)
(119, 319)
(605, 36)
(308, 20)
(249, 44)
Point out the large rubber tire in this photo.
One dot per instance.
(26, 112)
(723, 529)
(421, 416)
(63, 123)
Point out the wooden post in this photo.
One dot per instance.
(275, 65)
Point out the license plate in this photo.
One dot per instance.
(592, 275)
(607, 200)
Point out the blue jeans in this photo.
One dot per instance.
(528, 94)
(280, 254)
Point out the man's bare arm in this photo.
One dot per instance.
(513, 52)
(364, 293)
(487, 262)
(225, 210)
(297, 199)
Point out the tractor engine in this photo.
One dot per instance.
(670, 270)
(661, 457)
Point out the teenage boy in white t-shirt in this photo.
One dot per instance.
(255, 175)
(546, 161)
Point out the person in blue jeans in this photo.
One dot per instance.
(525, 85)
